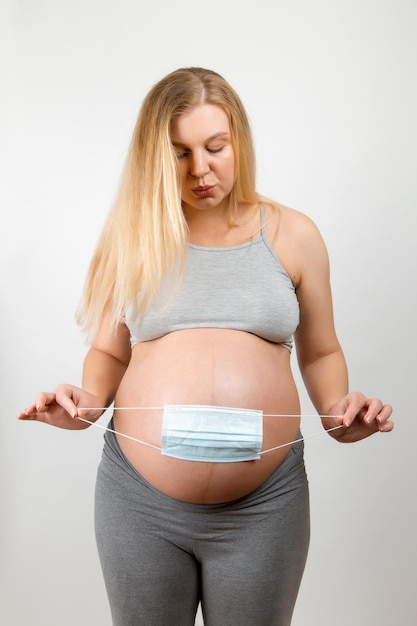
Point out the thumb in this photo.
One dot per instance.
(67, 397)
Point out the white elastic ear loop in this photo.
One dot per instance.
(150, 445)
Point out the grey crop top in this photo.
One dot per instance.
(241, 287)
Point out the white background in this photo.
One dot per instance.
(330, 87)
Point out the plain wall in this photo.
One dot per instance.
(331, 91)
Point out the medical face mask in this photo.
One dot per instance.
(212, 434)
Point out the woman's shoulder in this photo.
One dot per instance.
(290, 223)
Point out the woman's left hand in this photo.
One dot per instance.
(359, 417)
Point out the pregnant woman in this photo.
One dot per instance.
(195, 294)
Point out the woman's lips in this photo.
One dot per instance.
(202, 192)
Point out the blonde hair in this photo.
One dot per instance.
(145, 235)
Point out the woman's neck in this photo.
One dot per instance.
(212, 228)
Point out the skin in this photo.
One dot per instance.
(215, 366)
(206, 161)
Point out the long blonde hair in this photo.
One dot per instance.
(145, 235)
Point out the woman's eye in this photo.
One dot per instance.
(186, 153)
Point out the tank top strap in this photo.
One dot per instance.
(262, 220)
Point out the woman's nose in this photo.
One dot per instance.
(199, 165)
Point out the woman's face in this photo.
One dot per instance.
(206, 160)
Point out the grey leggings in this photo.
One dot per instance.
(243, 560)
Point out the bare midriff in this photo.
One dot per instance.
(213, 367)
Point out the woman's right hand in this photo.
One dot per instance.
(60, 408)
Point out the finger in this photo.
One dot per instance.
(383, 419)
(41, 404)
(64, 397)
(43, 401)
(378, 413)
(356, 405)
(374, 409)
(386, 427)
(28, 414)
(28, 411)
(384, 414)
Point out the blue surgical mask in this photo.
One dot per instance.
(210, 433)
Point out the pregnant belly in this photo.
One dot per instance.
(208, 367)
